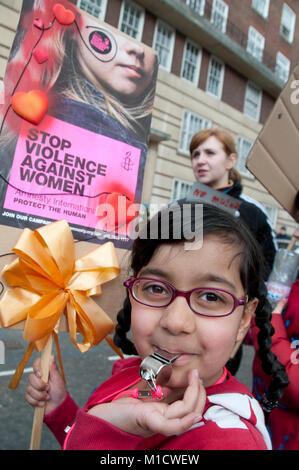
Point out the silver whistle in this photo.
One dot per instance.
(156, 368)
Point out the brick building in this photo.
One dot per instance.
(223, 63)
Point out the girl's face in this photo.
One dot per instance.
(114, 61)
(211, 164)
(204, 343)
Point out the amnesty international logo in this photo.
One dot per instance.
(127, 163)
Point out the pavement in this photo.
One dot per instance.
(84, 372)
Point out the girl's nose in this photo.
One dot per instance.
(178, 318)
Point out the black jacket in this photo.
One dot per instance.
(257, 221)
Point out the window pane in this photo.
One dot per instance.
(132, 20)
(164, 44)
(255, 44)
(93, 7)
(288, 20)
(191, 124)
(252, 102)
(219, 15)
(261, 6)
(197, 5)
(215, 78)
(191, 62)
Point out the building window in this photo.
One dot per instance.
(287, 25)
(96, 8)
(180, 189)
(131, 20)
(164, 43)
(197, 5)
(191, 124)
(191, 62)
(219, 15)
(215, 77)
(262, 7)
(243, 148)
(253, 101)
(282, 68)
(255, 43)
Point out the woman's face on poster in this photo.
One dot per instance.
(121, 65)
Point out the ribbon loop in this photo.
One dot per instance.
(47, 281)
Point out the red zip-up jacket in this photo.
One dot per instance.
(232, 420)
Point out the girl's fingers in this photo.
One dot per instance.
(193, 400)
(36, 397)
(157, 422)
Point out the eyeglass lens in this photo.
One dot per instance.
(206, 301)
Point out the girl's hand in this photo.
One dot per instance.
(40, 393)
(144, 418)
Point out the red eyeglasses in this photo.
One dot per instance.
(206, 301)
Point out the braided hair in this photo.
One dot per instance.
(230, 230)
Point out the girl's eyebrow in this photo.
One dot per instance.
(209, 277)
(153, 272)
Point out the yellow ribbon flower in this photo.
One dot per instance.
(48, 281)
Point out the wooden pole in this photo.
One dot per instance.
(38, 418)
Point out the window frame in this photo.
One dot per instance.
(166, 67)
(184, 141)
(142, 18)
(254, 34)
(286, 7)
(197, 65)
(265, 13)
(201, 9)
(221, 81)
(176, 194)
(259, 104)
(225, 17)
(103, 8)
(280, 56)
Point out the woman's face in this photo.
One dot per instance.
(119, 64)
(211, 164)
(204, 343)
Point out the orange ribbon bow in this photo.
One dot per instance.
(47, 280)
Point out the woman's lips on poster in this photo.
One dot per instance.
(132, 70)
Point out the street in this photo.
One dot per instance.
(84, 372)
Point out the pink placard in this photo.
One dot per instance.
(60, 171)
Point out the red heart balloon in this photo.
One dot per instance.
(40, 55)
(31, 106)
(63, 15)
(118, 217)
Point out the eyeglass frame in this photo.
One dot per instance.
(186, 294)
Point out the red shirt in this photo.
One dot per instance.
(232, 420)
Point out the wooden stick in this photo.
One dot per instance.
(38, 419)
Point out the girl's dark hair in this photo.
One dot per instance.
(230, 230)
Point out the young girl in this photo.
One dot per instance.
(195, 302)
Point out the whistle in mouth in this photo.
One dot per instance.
(156, 368)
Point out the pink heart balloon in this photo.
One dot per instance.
(40, 55)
